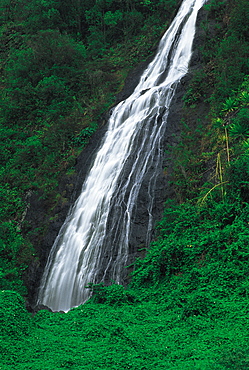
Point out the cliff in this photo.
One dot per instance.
(70, 186)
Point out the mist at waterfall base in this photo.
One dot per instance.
(93, 243)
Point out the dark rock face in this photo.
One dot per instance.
(71, 186)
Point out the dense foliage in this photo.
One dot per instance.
(186, 307)
(61, 63)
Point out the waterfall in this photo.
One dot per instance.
(93, 243)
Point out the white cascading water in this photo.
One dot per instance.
(93, 243)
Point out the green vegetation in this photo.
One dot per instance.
(61, 64)
(186, 307)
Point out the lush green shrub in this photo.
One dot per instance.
(112, 295)
(15, 320)
(15, 253)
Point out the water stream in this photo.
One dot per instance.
(93, 243)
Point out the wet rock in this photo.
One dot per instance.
(48, 227)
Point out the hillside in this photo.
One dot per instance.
(186, 306)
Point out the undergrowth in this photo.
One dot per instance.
(186, 307)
